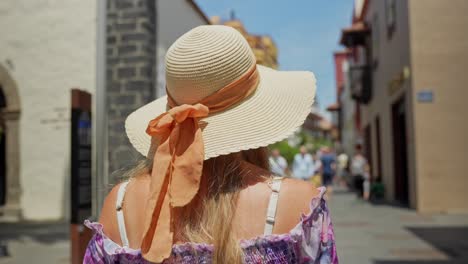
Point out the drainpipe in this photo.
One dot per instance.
(100, 143)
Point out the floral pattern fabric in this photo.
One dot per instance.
(311, 241)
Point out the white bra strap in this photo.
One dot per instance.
(120, 215)
(272, 205)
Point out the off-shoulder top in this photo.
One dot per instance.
(312, 240)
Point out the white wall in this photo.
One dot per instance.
(48, 46)
(175, 17)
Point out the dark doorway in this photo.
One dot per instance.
(2, 150)
(368, 149)
(378, 170)
(400, 155)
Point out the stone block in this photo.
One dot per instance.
(126, 49)
(127, 72)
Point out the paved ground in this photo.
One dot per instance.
(34, 243)
(365, 234)
(388, 235)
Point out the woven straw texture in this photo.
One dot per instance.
(206, 59)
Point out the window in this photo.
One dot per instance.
(390, 14)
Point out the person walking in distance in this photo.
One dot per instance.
(358, 171)
(317, 178)
(303, 165)
(341, 171)
(328, 167)
(278, 164)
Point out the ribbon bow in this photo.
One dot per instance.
(180, 153)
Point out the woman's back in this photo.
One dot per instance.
(295, 198)
(249, 219)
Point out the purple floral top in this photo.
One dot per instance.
(311, 241)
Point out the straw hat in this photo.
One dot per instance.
(208, 58)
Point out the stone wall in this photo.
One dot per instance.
(131, 55)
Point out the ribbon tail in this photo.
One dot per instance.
(157, 239)
(188, 166)
(157, 246)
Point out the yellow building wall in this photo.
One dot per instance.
(263, 46)
(439, 57)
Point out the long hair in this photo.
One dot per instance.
(208, 218)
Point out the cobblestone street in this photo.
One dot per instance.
(385, 234)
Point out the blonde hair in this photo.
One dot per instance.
(208, 218)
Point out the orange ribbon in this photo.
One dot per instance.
(178, 161)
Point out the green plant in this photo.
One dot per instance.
(312, 143)
(377, 190)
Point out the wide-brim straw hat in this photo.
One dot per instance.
(206, 59)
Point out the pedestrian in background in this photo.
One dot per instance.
(317, 178)
(303, 165)
(341, 171)
(358, 171)
(278, 164)
(328, 161)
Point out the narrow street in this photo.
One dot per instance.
(383, 234)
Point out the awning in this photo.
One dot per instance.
(354, 35)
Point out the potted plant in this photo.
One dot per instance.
(377, 192)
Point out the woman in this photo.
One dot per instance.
(204, 194)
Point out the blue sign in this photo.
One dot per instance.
(425, 96)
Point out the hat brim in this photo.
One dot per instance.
(279, 106)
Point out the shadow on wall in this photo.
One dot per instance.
(452, 241)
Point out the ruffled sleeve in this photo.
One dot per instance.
(317, 239)
(102, 250)
(95, 253)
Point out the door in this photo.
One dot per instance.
(368, 149)
(400, 154)
(3, 157)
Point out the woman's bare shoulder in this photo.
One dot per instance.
(294, 200)
(108, 217)
(298, 188)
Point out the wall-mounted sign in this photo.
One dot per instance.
(425, 96)
(58, 118)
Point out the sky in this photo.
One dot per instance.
(306, 32)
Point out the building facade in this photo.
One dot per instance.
(345, 111)
(139, 32)
(174, 19)
(404, 71)
(47, 49)
(263, 46)
(41, 60)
